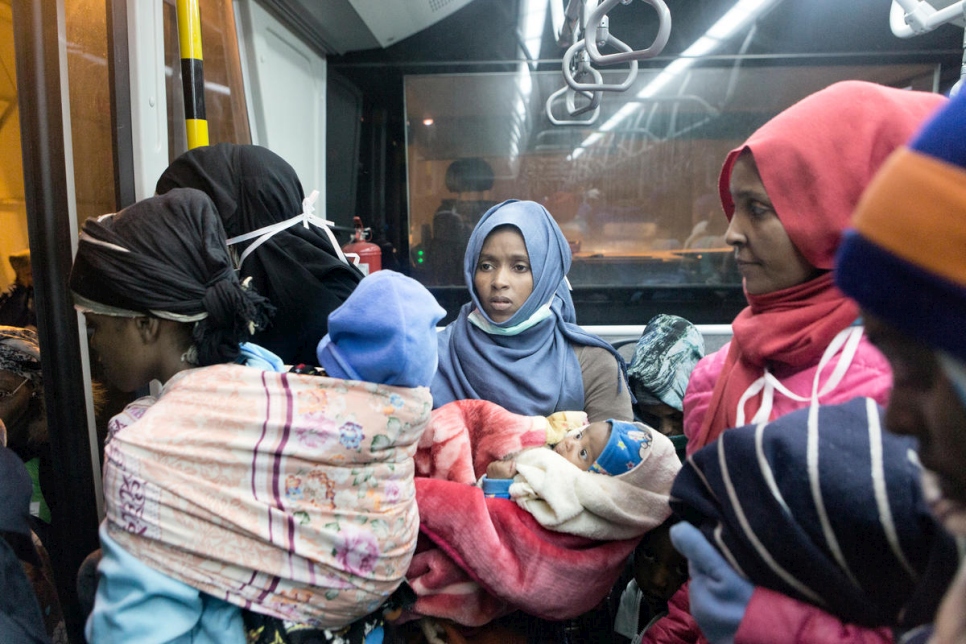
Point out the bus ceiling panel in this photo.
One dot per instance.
(489, 31)
(395, 20)
(342, 26)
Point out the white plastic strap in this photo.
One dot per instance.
(847, 341)
(750, 392)
(305, 218)
(850, 338)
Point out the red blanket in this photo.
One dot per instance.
(489, 556)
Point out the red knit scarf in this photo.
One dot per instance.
(787, 328)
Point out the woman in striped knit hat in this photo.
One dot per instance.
(824, 506)
(905, 264)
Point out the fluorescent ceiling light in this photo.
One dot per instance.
(742, 14)
(533, 15)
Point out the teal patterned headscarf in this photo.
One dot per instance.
(666, 354)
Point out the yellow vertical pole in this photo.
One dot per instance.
(192, 72)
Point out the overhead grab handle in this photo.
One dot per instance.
(572, 109)
(627, 55)
(582, 66)
(571, 24)
(570, 99)
(908, 18)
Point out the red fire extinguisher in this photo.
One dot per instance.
(370, 255)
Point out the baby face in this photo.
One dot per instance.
(583, 446)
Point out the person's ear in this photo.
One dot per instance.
(148, 328)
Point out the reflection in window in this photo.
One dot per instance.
(13, 210)
(90, 94)
(635, 192)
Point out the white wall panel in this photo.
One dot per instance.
(286, 81)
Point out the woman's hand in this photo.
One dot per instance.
(501, 470)
(719, 595)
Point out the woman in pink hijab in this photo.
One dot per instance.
(788, 193)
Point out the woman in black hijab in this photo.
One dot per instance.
(297, 269)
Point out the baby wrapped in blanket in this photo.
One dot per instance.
(564, 490)
(494, 555)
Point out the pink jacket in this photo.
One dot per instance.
(678, 627)
(868, 375)
(771, 616)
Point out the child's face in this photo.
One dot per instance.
(583, 446)
(658, 568)
(664, 418)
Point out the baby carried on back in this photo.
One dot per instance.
(285, 493)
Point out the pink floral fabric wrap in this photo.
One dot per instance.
(288, 494)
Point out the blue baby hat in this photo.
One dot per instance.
(623, 451)
(385, 332)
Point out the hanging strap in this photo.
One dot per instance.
(846, 342)
(305, 218)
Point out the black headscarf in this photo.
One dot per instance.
(298, 270)
(166, 257)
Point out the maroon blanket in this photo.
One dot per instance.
(490, 556)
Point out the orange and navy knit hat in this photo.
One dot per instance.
(904, 260)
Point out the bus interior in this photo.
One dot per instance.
(416, 116)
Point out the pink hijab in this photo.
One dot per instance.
(815, 159)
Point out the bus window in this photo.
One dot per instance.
(635, 192)
(90, 123)
(13, 213)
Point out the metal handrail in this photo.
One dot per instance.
(908, 18)
(572, 110)
(593, 23)
(583, 65)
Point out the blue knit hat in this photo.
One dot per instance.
(385, 332)
(905, 259)
(624, 450)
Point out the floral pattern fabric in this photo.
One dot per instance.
(288, 494)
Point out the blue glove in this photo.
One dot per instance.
(719, 595)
